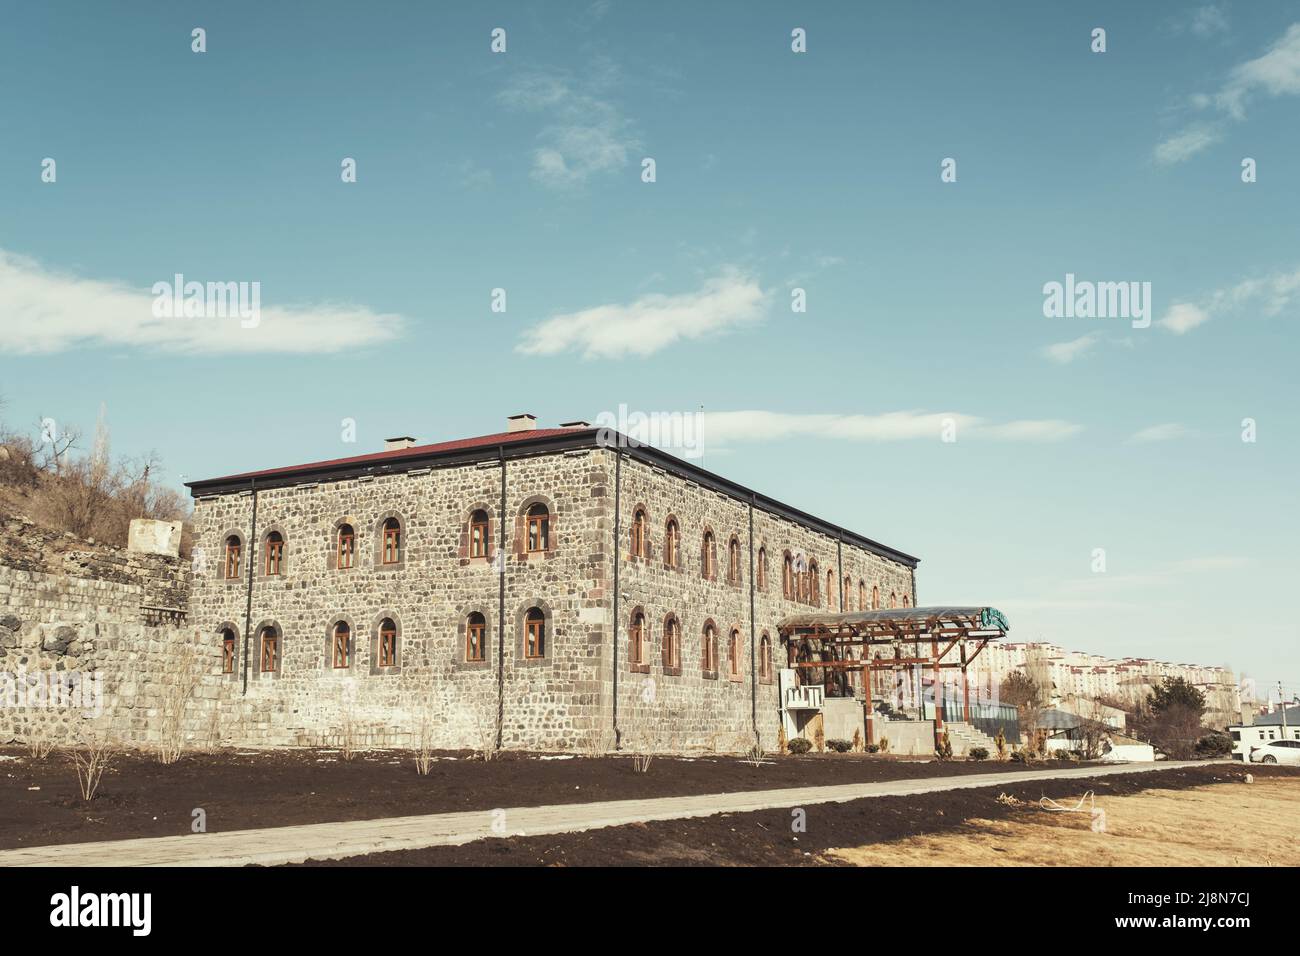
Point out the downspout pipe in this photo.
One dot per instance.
(618, 493)
(501, 604)
(251, 557)
(753, 679)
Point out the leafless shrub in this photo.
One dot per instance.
(486, 737)
(349, 730)
(641, 762)
(755, 756)
(178, 693)
(424, 741)
(91, 760)
(41, 733)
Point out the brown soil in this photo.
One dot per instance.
(766, 838)
(40, 803)
(1223, 825)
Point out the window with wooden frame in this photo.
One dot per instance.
(708, 555)
(475, 638)
(830, 589)
(762, 568)
(787, 577)
(274, 553)
(709, 656)
(733, 561)
(848, 595)
(672, 545)
(733, 654)
(345, 547)
(392, 546)
(672, 643)
(814, 585)
(640, 544)
(231, 563)
(534, 634)
(636, 640)
(270, 650)
(341, 653)
(479, 534)
(229, 651)
(893, 600)
(387, 643)
(906, 599)
(538, 529)
(765, 657)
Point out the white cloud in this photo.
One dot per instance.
(1183, 317)
(1066, 352)
(722, 428)
(1166, 432)
(46, 311)
(1187, 144)
(651, 322)
(1208, 20)
(1275, 73)
(1272, 294)
(584, 135)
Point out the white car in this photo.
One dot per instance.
(1276, 751)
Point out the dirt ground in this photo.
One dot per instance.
(769, 837)
(1228, 824)
(40, 803)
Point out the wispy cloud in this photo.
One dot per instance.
(47, 311)
(1166, 432)
(1271, 294)
(1275, 73)
(1066, 352)
(652, 322)
(723, 428)
(584, 135)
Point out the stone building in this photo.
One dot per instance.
(561, 588)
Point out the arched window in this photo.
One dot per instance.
(765, 657)
(346, 547)
(814, 584)
(672, 643)
(848, 595)
(232, 557)
(734, 654)
(906, 599)
(640, 543)
(229, 651)
(830, 589)
(478, 534)
(274, 553)
(534, 633)
(672, 545)
(636, 639)
(787, 577)
(475, 638)
(270, 650)
(341, 645)
(893, 600)
(762, 568)
(387, 655)
(392, 548)
(538, 532)
(709, 657)
(708, 557)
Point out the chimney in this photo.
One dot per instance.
(403, 441)
(575, 424)
(522, 422)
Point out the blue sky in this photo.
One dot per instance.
(774, 170)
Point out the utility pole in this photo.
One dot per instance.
(1282, 701)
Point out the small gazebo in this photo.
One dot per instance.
(955, 635)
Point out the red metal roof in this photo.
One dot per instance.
(415, 451)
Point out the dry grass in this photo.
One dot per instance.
(1232, 824)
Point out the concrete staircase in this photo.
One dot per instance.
(963, 737)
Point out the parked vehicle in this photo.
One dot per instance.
(1277, 751)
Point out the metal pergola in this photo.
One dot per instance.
(829, 637)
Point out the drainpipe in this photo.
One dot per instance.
(501, 603)
(248, 600)
(618, 489)
(753, 681)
